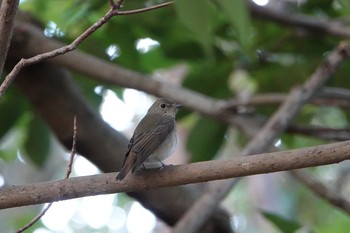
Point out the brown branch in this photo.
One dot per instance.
(68, 171)
(276, 125)
(65, 49)
(116, 5)
(150, 8)
(8, 11)
(173, 175)
(30, 61)
(321, 190)
(107, 72)
(317, 25)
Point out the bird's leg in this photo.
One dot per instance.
(163, 165)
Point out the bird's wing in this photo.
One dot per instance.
(128, 150)
(128, 163)
(145, 143)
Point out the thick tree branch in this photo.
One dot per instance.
(8, 11)
(29, 37)
(174, 175)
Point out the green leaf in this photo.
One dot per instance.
(15, 138)
(205, 139)
(336, 221)
(10, 111)
(37, 142)
(196, 15)
(210, 79)
(238, 15)
(283, 224)
(345, 7)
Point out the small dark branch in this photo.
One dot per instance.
(73, 150)
(321, 190)
(116, 5)
(317, 25)
(68, 171)
(8, 11)
(34, 220)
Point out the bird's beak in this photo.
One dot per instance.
(178, 106)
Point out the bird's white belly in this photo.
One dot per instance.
(163, 151)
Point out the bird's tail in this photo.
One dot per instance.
(128, 165)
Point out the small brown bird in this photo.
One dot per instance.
(154, 138)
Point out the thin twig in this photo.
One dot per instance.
(30, 61)
(73, 150)
(8, 11)
(68, 172)
(150, 8)
(33, 60)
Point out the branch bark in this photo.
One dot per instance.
(174, 175)
(8, 11)
(30, 41)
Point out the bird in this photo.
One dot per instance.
(154, 138)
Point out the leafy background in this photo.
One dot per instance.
(227, 53)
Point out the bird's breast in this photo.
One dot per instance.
(164, 150)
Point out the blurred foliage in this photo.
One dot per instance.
(37, 142)
(214, 38)
(285, 225)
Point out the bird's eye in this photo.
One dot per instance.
(162, 105)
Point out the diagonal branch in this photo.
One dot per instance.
(107, 72)
(321, 190)
(54, 53)
(65, 49)
(174, 175)
(275, 126)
